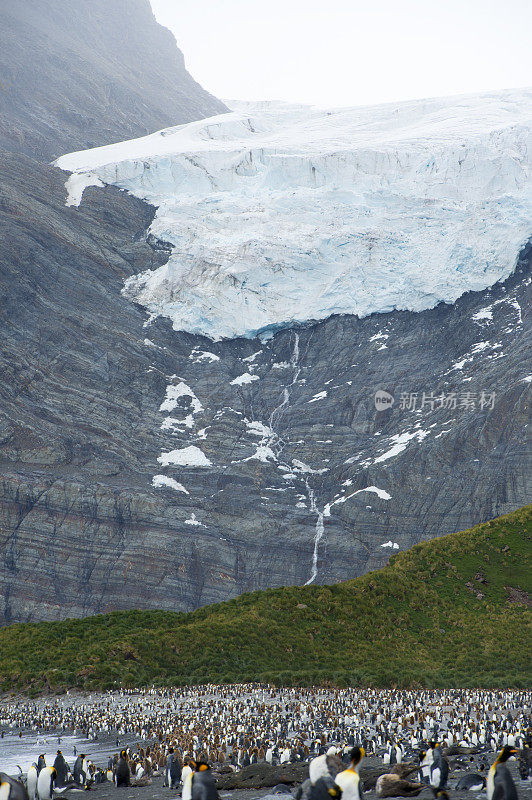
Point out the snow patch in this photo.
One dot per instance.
(250, 359)
(483, 314)
(203, 355)
(262, 453)
(319, 396)
(76, 185)
(459, 364)
(164, 482)
(479, 347)
(190, 456)
(400, 443)
(300, 466)
(173, 393)
(259, 429)
(176, 425)
(379, 492)
(243, 379)
(192, 520)
(394, 545)
(517, 307)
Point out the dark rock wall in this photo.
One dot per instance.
(82, 528)
(83, 73)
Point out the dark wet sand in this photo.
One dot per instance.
(156, 791)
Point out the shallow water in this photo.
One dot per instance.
(26, 749)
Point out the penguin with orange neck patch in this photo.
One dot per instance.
(500, 785)
(349, 780)
(200, 784)
(11, 789)
(122, 770)
(46, 783)
(439, 770)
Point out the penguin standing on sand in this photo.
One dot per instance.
(173, 770)
(186, 772)
(81, 770)
(349, 779)
(200, 784)
(61, 767)
(500, 785)
(439, 770)
(11, 789)
(426, 757)
(46, 783)
(122, 771)
(398, 753)
(31, 781)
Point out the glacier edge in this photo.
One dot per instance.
(284, 214)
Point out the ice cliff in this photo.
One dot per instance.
(280, 213)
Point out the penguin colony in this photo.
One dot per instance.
(191, 736)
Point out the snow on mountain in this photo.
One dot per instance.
(279, 213)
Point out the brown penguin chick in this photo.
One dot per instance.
(404, 770)
(393, 785)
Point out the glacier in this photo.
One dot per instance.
(279, 214)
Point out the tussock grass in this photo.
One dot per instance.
(454, 611)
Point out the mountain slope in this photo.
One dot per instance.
(141, 467)
(80, 74)
(150, 468)
(452, 612)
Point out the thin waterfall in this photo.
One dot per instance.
(319, 529)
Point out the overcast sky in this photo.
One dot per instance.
(350, 52)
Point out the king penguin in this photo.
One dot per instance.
(439, 770)
(173, 770)
(471, 782)
(500, 785)
(45, 783)
(11, 789)
(31, 781)
(81, 769)
(200, 784)
(61, 767)
(349, 780)
(426, 757)
(122, 771)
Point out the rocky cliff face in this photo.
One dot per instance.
(152, 468)
(147, 467)
(83, 73)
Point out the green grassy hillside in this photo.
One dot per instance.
(454, 611)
